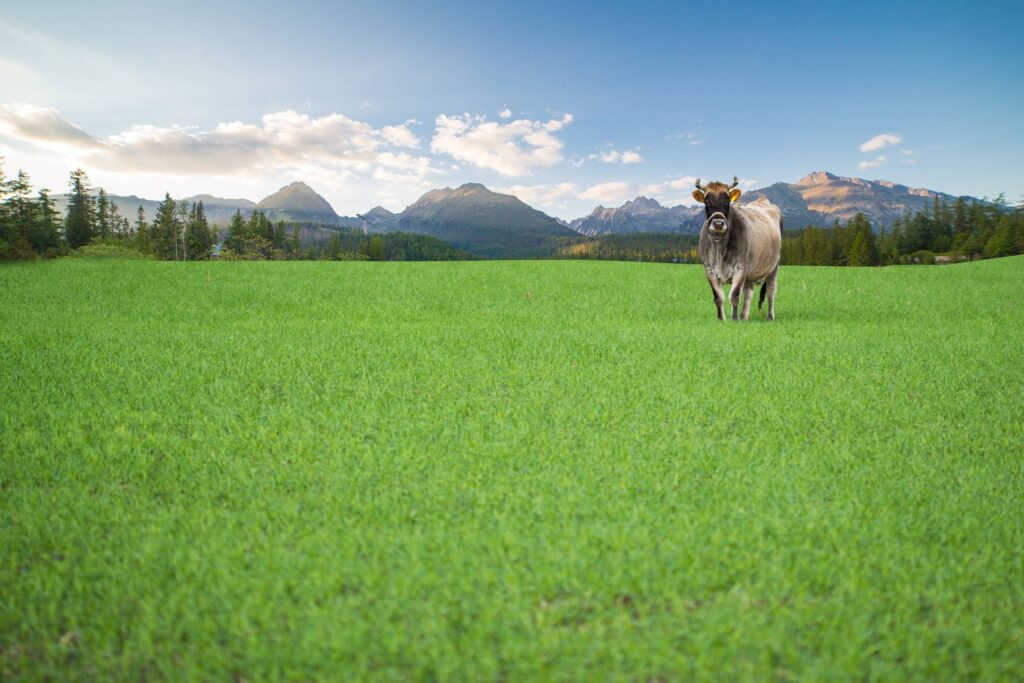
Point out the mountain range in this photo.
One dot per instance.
(819, 198)
(486, 223)
(293, 203)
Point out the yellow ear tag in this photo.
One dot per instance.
(734, 194)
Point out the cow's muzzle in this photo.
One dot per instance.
(717, 225)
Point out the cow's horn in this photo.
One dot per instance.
(735, 182)
(702, 189)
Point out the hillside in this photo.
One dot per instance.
(482, 222)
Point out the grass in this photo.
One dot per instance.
(508, 471)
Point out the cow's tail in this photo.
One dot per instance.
(764, 290)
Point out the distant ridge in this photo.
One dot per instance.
(480, 221)
(819, 198)
(298, 202)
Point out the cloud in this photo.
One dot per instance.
(540, 194)
(685, 182)
(873, 163)
(693, 138)
(613, 156)
(401, 136)
(281, 140)
(511, 149)
(608, 193)
(881, 141)
(505, 113)
(43, 126)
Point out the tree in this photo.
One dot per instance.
(181, 213)
(80, 218)
(165, 230)
(1002, 242)
(238, 233)
(199, 240)
(863, 249)
(21, 208)
(142, 237)
(45, 233)
(102, 214)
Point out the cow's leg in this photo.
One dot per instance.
(734, 293)
(748, 296)
(716, 290)
(772, 284)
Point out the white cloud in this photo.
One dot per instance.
(613, 156)
(873, 163)
(401, 136)
(881, 141)
(654, 190)
(693, 138)
(43, 126)
(608, 193)
(511, 149)
(281, 140)
(685, 182)
(544, 195)
(505, 113)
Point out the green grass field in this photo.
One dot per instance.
(497, 471)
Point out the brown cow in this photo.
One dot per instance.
(739, 244)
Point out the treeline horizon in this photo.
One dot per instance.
(31, 228)
(945, 232)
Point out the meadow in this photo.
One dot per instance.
(489, 471)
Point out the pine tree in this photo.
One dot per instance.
(181, 212)
(80, 219)
(238, 234)
(21, 208)
(1002, 242)
(46, 233)
(199, 239)
(114, 218)
(102, 214)
(142, 236)
(165, 230)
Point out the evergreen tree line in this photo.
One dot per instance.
(943, 232)
(642, 246)
(30, 226)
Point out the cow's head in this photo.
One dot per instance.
(717, 199)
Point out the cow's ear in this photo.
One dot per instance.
(734, 194)
(699, 196)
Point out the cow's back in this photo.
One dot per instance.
(762, 227)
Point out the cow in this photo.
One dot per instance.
(739, 244)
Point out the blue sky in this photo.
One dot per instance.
(375, 102)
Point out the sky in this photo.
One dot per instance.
(567, 105)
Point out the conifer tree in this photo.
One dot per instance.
(165, 230)
(102, 214)
(80, 218)
(238, 233)
(46, 232)
(142, 236)
(199, 238)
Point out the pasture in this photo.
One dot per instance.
(487, 471)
